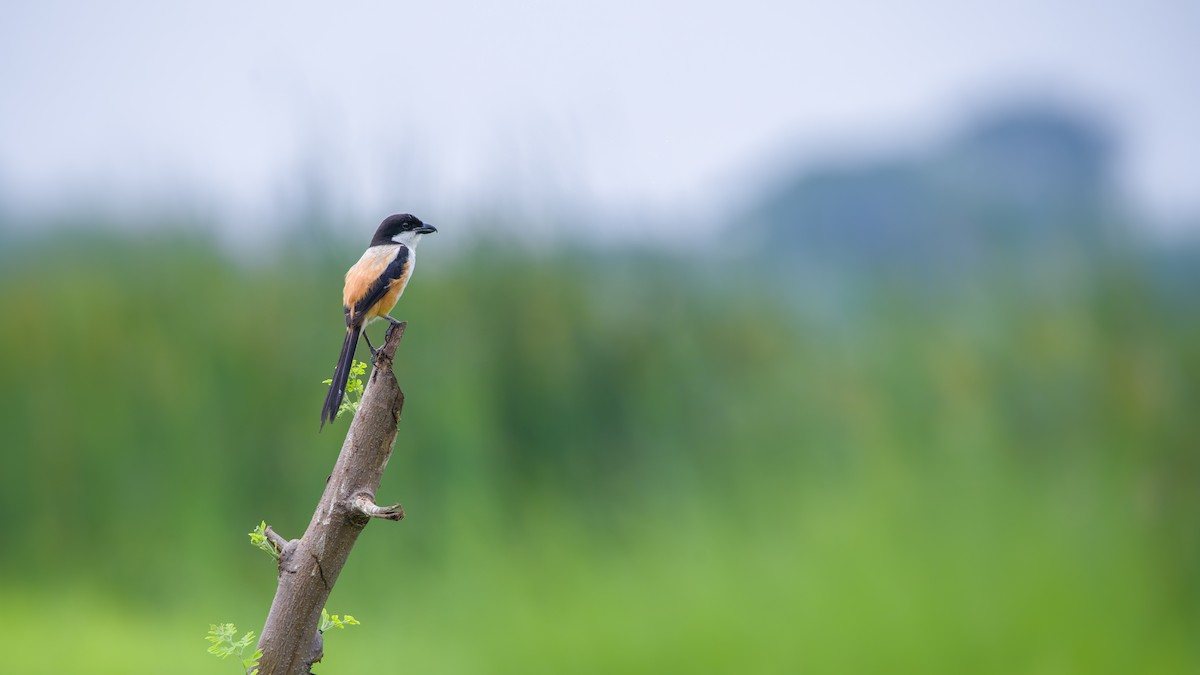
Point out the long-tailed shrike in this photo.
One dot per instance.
(373, 285)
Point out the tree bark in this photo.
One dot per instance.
(309, 566)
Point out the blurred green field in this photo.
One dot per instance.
(608, 467)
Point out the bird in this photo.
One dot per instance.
(373, 285)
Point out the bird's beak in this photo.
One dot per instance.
(426, 229)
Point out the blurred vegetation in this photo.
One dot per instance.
(622, 461)
(605, 469)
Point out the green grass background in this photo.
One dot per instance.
(610, 464)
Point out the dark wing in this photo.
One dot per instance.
(394, 271)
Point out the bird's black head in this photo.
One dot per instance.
(402, 227)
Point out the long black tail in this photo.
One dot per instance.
(337, 389)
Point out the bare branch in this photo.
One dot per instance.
(309, 566)
(277, 542)
(366, 506)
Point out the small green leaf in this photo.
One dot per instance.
(223, 645)
(258, 539)
(334, 621)
(253, 660)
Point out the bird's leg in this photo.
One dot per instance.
(373, 350)
(394, 322)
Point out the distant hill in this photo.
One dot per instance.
(1025, 181)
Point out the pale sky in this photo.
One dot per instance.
(662, 107)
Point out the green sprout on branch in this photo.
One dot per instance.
(224, 645)
(335, 621)
(354, 387)
(258, 539)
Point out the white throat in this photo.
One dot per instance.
(409, 238)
